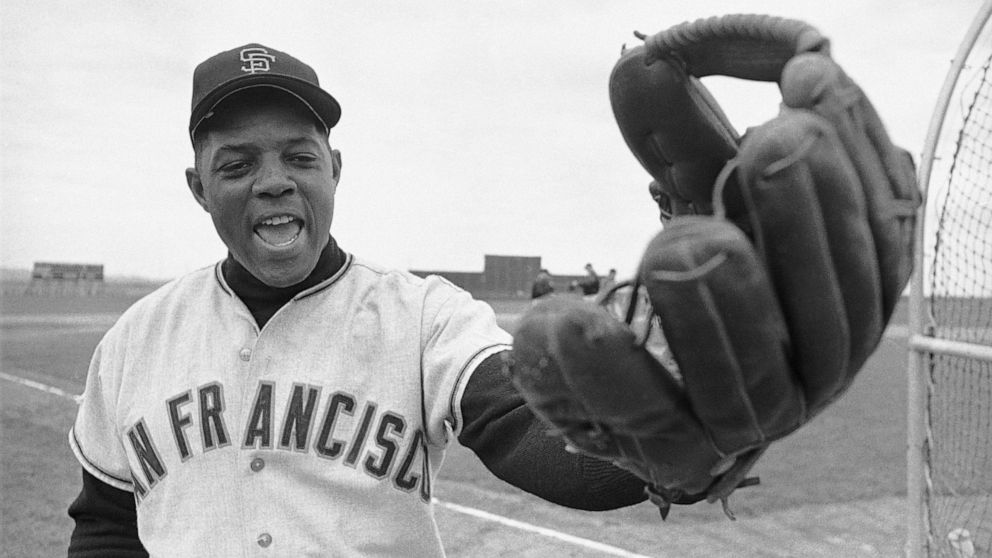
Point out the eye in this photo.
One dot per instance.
(303, 158)
(234, 168)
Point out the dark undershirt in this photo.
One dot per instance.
(498, 427)
(264, 301)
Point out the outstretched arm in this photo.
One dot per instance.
(512, 443)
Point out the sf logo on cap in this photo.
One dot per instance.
(255, 59)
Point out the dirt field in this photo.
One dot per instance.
(833, 489)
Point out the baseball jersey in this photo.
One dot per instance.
(321, 434)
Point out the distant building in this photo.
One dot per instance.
(502, 277)
(52, 278)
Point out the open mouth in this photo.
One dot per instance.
(281, 230)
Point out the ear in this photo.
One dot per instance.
(196, 187)
(336, 162)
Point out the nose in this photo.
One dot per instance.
(274, 180)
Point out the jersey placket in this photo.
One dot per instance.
(251, 465)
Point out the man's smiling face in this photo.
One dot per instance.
(267, 175)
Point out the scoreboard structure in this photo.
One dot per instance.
(56, 278)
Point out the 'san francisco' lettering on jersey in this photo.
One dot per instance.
(338, 428)
(377, 443)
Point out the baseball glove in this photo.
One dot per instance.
(782, 256)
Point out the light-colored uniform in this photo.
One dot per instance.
(320, 435)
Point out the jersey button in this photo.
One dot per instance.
(245, 354)
(257, 464)
(264, 540)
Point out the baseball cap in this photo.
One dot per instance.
(255, 65)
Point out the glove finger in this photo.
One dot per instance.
(802, 200)
(580, 370)
(672, 125)
(886, 172)
(725, 331)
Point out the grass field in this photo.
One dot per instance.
(833, 489)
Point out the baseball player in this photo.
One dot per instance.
(296, 399)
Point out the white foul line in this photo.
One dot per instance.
(579, 541)
(41, 387)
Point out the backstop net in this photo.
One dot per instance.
(950, 446)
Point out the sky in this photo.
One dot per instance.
(468, 127)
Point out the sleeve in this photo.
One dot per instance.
(459, 333)
(512, 443)
(106, 524)
(94, 436)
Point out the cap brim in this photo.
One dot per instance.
(320, 102)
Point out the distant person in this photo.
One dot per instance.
(296, 399)
(590, 283)
(542, 285)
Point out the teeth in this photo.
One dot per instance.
(280, 220)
